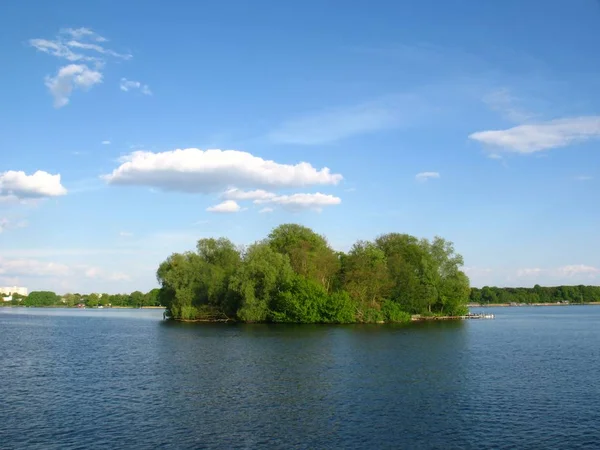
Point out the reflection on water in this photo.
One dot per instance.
(106, 379)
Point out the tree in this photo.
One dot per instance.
(366, 275)
(309, 253)
(41, 298)
(262, 276)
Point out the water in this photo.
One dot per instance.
(126, 379)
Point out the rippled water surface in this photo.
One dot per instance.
(126, 379)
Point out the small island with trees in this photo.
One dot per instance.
(294, 276)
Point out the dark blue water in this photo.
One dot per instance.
(529, 379)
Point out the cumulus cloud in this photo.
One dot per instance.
(299, 202)
(129, 85)
(425, 176)
(531, 138)
(228, 206)
(193, 170)
(19, 185)
(68, 78)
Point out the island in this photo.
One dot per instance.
(294, 276)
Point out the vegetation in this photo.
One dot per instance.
(537, 294)
(295, 276)
(46, 298)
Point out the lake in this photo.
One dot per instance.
(85, 379)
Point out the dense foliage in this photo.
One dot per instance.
(537, 294)
(295, 276)
(46, 298)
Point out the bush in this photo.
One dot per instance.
(339, 308)
(394, 313)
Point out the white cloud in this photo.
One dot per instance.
(424, 176)
(564, 273)
(106, 142)
(73, 76)
(237, 194)
(502, 101)
(336, 124)
(194, 170)
(128, 85)
(31, 267)
(75, 45)
(584, 178)
(6, 224)
(266, 209)
(228, 206)
(298, 202)
(533, 138)
(70, 44)
(82, 33)
(97, 273)
(529, 272)
(19, 185)
(578, 269)
(97, 48)
(125, 234)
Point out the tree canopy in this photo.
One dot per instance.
(295, 276)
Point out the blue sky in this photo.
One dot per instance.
(131, 129)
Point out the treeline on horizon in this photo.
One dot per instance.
(537, 294)
(136, 299)
(295, 276)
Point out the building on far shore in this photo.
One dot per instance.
(13, 290)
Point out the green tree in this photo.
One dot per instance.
(41, 298)
(257, 282)
(366, 275)
(309, 253)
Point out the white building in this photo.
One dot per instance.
(13, 290)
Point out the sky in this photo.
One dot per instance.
(129, 130)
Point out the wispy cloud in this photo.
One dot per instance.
(533, 138)
(584, 178)
(7, 224)
(81, 44)
(426, 176)
(332, 125)
(76, 45)
(107, 142)
(579, 271)
(129, 85)
(507, 105)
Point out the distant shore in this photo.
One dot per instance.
(494, 305)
